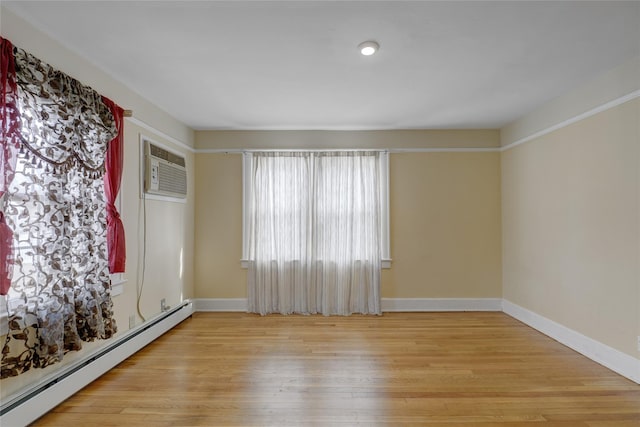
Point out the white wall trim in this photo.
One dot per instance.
(606, 106)
(609, 357)
(388, 150)
(441, 304)
(161, 134)
(582, 116)
(221, 304)
(117, 288)
(220, 150)
(446, 150)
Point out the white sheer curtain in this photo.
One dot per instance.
(314, 234)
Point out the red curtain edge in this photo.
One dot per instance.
(113, 175)
(9, 128)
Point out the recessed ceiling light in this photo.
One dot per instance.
(368, 48)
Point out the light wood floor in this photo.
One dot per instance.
(434, 369)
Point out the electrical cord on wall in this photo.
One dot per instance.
(140, 288)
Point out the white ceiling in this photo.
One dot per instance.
(294, 64)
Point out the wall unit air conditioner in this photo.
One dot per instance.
(165, 172)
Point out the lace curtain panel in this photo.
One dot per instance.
(55, 206)
(314, 243)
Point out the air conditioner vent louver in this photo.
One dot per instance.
(165, 172)
(163, 154)
(172, 179)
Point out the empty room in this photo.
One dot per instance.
(317, 213)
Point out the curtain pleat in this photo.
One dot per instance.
(314, 234)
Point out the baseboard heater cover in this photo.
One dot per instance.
(37, 401)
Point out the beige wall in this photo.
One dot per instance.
(169, 242)
(444, 208)
(218, 216)
(570, 212)
(380, 139)
(445, 226)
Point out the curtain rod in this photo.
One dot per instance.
(127, 113)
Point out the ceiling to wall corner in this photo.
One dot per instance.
(295, 64)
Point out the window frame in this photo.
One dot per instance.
(385, 241)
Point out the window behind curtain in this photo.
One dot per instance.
(248, 178)
(59, 294)
(315, 231)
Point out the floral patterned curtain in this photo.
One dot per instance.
(55, 205)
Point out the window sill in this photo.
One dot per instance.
(117, 287)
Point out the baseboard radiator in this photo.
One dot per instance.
(37, 401)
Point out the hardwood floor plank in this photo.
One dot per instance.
(433, 369)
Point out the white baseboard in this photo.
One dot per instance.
(441, 304)
(35, 403)
(609, 357)
(388, 304)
